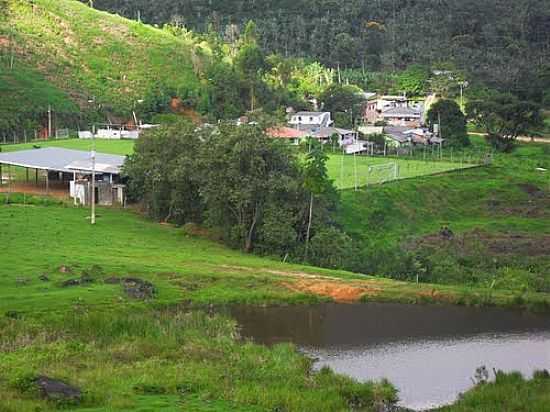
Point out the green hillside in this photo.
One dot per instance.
(498, 216)
(63, 53)
(66, 313)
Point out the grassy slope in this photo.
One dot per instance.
(127, 354)
(30, 90)
(491, 199)
(83, 52)
(510, 392)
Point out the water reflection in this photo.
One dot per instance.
(429, 352)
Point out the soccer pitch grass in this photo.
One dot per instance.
(342, 169)
(116, 147)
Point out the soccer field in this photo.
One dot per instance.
(365, 170)
(117, 147)
(342, 169)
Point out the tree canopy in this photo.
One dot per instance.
(501, 43)
(451, 120)
(504, 117)
(252, 189)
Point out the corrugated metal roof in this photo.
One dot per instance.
(314, 114)
(401, 112)
(62, 160)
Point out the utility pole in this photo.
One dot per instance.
(355, 170)
(49, 121)
(93, 175)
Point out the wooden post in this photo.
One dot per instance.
(27, 174)
(47, 182)
(36, 176)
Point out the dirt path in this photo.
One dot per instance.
(524, 139)
(339, 290)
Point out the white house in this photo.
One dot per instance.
(376, 106)
(310, 120)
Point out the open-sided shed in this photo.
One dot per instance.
(72, 166)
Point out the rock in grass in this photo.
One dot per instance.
(65, 269)
(112, 281)
(138, 288)
(57, 390)
(83, 280)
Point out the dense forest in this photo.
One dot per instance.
(502, 44)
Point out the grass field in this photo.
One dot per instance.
(133, 355)
(128, 354)
(173, 352)
(118, 147)
(499, 215)
(348, 171)
(67, 53)
(509, 392)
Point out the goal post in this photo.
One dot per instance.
(382, 173)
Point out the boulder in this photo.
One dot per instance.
(138, 288)
(57, 390)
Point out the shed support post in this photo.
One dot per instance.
(27, 173)
(74, 187)
(36, 176)
(47, 182)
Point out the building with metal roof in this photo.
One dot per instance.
(57, 159)
(70, 171)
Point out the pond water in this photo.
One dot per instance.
(430, 353)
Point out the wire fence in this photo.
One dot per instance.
(31, 136)
(355, 171)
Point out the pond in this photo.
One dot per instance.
(430, 353)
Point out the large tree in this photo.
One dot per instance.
(504, 117)
(316, 181)
(163, 173)
(344, 102)
(451, 120)
(251, 62)
(246, 176)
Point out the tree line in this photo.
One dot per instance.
(254, 192)
(505, 45)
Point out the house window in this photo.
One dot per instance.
(311, 119)
(299, 118)
(407, 119)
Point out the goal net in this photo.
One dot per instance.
(386, 172)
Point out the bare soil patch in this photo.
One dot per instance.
(338, 291)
